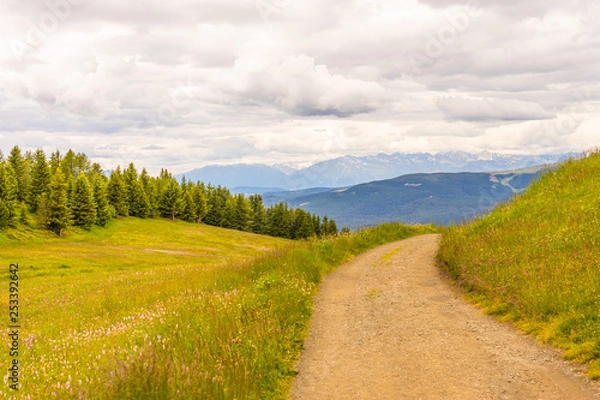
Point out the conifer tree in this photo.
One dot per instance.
(40, 179)
(258, 213)
(333, 230)
(41, 214)
(8, 196)
(68, 165)
(83, 207)
(200, 202)
(104, 211)
(149, 186)
(21, 170)
(55, 160)
(304, 225)
(188, 208)
(217, 199)
(117, 193)
(171, 200)
(59, 216)
(228, 215)
(137, 199)
(243, 213)
(316, 220)
(279, 221)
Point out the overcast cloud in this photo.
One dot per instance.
(186, 83)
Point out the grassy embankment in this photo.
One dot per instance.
(149, 309)
(536, 260)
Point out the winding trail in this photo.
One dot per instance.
(387, 325)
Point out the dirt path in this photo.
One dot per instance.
(388, 326)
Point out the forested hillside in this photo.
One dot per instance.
(69, 190)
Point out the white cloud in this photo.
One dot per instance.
(298, 86)
(185, 83)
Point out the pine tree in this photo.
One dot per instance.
(117, 193)
(59, 216)
(83, 207)
(40, 179)
(171, 200)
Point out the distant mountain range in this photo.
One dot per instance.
(440, 198)
(350, 170)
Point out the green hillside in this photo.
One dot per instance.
(536, 260)
(155, 309)
(440, 198)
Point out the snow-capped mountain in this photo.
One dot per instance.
(351, 170)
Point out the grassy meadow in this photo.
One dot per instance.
(536, 260)
(151, 309)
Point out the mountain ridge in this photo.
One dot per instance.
(352, 170)
(440, 198)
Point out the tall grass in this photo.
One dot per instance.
(536, 260)
(170, 311)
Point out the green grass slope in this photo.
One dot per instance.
(536, 260)
(151, 309)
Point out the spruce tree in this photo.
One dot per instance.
(8, 196)
(83, 207)
(40, 179)
(316, 221)
(104, 211)
(55, 160)
(137, 199)
(59, 216)
(200, 202)
(304, 224)
(188, 207)
(117, 193)
(243, 213)
(279, 220)
(171, 200)
(41, 214)
(217, 199)
(68, 164)
(258, 213)
(333, 230)
(21, 169)
(149, 186)
(325, 226)
(228, 214)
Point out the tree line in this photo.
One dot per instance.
(69, 190)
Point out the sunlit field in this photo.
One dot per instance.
(151, 309)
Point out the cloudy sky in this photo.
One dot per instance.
(186, 83)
